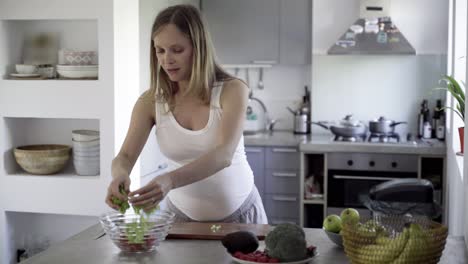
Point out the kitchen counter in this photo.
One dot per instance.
(325, 143)
(84, 248)
(281, 138)
(419, 147)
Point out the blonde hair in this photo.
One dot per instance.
(205, 69)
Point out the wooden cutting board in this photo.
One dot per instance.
(195, 230)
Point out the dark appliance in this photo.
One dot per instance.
(352, 175)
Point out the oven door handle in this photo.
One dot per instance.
(342, 177)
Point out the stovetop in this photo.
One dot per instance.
(371, 138)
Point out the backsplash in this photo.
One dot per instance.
(365, 86)
(371, 86)
(283, 86)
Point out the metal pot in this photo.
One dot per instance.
(347, 128)
(383, 125)
(301, 122)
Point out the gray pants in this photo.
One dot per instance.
(250, 212)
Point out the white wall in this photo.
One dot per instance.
(283, 86)
(31, 230)
(371, 86)
(126, 71)
(150, 157)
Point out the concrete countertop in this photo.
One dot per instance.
(84, 248)
(325, 143)
(282, 138)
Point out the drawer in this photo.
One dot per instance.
(282, 158)
(282, 181)
(256, 158)
(277, 205)
(280, 220)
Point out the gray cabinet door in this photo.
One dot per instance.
(243, 30)
(295, 32)
(256, 159)
(282, 158)
(282, 206)
(281, 181)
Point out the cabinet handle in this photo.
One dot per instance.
(253, 150)
(160, 168)
(365, 178)
(277, 222)
(264, 62)
(284, 174)
(285, 150)
(284, 199)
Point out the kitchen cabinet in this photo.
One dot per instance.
(295, 32)
(272, 31)
(256, 159)
(276, 171)
(244, 31)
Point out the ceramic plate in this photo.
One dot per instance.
(24, 75)
(304, 261)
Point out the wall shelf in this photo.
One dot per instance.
(63, 195)
(31, 131)
(45, 38)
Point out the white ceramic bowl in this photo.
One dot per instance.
(80, 148)
(86, 144)
(71, 57)
(93, 153)
(88, 160)
(25, 68)
(78, 71)
(85, 135)
(86, 168)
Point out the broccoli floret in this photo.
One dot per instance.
(287, 243)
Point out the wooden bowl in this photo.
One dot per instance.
(42, 159)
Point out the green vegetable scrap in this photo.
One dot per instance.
(215, 228)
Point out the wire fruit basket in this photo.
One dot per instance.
(394, 239)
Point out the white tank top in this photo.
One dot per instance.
(218, 195)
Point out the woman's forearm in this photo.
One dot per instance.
(121, 166)
(201, 168)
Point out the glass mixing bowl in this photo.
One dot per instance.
(137, 233)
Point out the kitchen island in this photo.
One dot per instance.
(88, 247)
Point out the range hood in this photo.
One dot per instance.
(373, 33)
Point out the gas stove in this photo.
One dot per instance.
(371, 138)
(384, 138)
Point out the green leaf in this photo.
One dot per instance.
(457, 92)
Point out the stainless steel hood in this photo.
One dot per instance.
(373, 34)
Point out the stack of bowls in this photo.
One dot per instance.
(86, 152)
(135, 233)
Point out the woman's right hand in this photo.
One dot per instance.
(113, 190)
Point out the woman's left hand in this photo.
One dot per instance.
(149, 196)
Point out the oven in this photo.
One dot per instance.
(352, 175)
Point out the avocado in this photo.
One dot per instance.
(243, 241)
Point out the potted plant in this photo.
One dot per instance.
(458, 93)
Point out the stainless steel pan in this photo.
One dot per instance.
(383, 125)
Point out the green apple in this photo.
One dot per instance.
(349, 216)
(332, 223)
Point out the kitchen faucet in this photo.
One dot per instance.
(269, 123)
